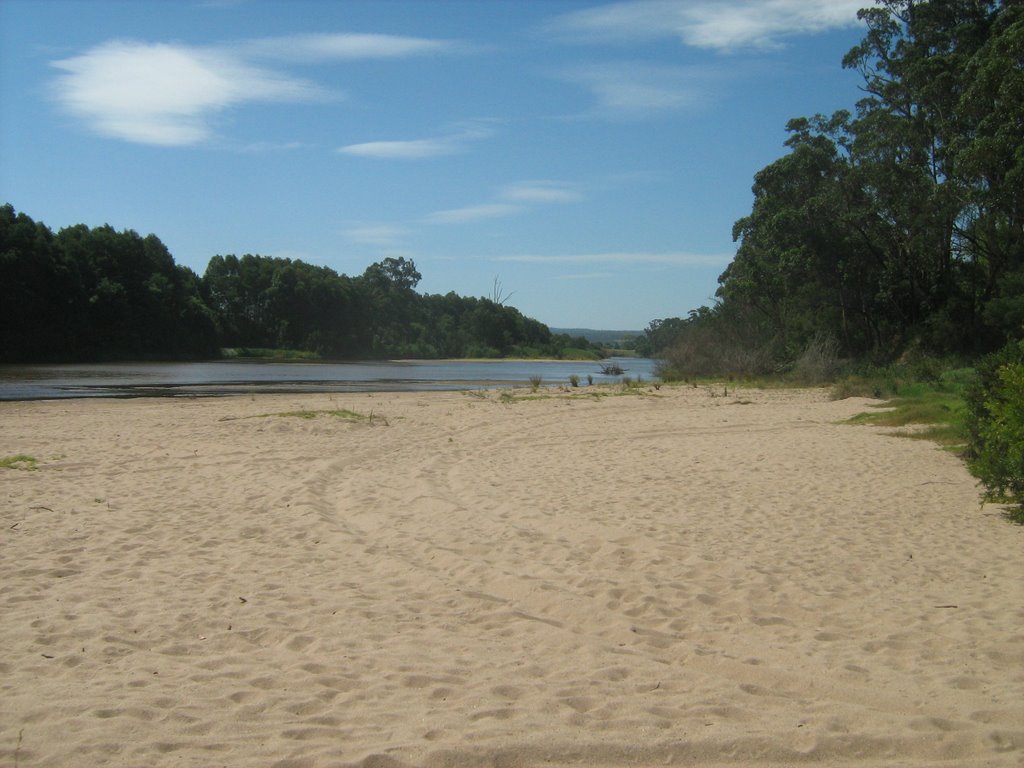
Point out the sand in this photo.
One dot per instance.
(678, 578)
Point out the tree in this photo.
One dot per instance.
(898, 225)
(87, 294)
(95, 293)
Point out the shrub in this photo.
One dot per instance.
(535, 382)
(574, 380)
(819, 362)
(705, 352)
(995, 420)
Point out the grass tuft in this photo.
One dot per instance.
(940, 414)
(341, 413)
(21, 461)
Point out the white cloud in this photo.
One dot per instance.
(677, 259)
(157, 93)
(403, 150)
(341, 46)
(415, 149)
(169, 93)
(627, 89)
(512, 199)
(541, 192)
(472, 213)
(724, 25)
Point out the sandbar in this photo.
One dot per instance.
(683, 576)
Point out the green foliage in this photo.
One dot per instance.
(895, 226)
(260, 353)
(941, 413)
(577, 353)
(728, 340)
(995, 419)
(659, 336)
(21, 461)
(95, 294)
(87, 294)
(904, 378)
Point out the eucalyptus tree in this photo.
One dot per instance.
(899, 223)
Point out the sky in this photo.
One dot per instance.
(586, 160)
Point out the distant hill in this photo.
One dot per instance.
(605, 338)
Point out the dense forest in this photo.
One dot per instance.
(99, 294)
(895, 227)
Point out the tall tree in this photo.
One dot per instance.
(900, 224)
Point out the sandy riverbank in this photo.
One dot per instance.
(678, 578)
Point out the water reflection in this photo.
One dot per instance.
(226, 377)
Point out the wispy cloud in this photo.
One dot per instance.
(541, 192)
(413, 149)
(345, 47)
(511, 199)
(632, 90)
(453, 143)
(472, 213)
(677, 259)
(724, 25)
(265, 147)
(170, 94)
(378, 235)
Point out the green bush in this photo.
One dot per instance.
(995, 419)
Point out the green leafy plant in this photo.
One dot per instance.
(995, 419)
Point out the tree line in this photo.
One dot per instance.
(896, 226)
(85, 294)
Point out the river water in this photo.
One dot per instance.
(231, 377)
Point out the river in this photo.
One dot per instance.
(232, 377)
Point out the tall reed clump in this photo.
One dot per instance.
(818, 363)
(535, 382)
(705, 352)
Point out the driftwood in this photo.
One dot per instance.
(612, 369)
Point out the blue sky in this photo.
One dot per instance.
(591, 156)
